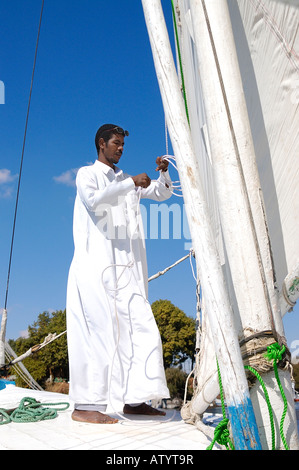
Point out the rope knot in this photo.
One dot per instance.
(221, 435)
(275, 352)
(221, 432)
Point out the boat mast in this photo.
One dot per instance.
(244, 428)
(238, 187)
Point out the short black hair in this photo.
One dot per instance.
(105, 132)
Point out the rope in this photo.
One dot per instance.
(275, 353)
(267, 401)
(174, 184)
(31, 411)
(221, 433)
(22, 157)
(49, 339)
(161, 273)
(180, 60)
(4, 318)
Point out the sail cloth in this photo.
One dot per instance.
(267, 42)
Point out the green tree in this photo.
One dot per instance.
(177, 332)
(52, 360)
(296, 375)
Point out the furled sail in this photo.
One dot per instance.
(266, 40)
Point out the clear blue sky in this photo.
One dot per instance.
(94, 66)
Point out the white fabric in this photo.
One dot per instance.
(267, 42)
(115, 350)
(100, 408)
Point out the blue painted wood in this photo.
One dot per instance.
(243, 426)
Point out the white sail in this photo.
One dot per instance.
(267, 42)
(266, 39)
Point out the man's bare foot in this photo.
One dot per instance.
(95, 417)
(142, 409)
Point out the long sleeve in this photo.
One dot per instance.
(94, 192)
(160, 189)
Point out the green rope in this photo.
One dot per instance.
(180, 60)
(4, 415)
(267, 401)
(275, 353)
(31, 411)
(221, 433)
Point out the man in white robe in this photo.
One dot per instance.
(115, 351)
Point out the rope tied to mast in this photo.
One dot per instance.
(274, 353)
(253, 349)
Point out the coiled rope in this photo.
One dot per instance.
(31, 411)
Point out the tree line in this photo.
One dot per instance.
(177, 330)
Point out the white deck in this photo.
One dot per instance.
(139, 433)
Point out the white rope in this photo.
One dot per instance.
(2, 337)
(161, 273)
(114, 290)
(20, 369)
(174, 184)
(49, 339)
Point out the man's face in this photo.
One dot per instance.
(112, 150)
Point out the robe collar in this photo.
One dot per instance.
(107, 169)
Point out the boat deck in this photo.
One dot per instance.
(169, 433)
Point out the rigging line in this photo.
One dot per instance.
(22, 156)
(180, 61)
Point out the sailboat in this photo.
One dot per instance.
(233, 122)
(232, 114)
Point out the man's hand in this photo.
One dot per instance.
(142, 180)
(162, 164)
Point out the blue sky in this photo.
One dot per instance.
(94, 66)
